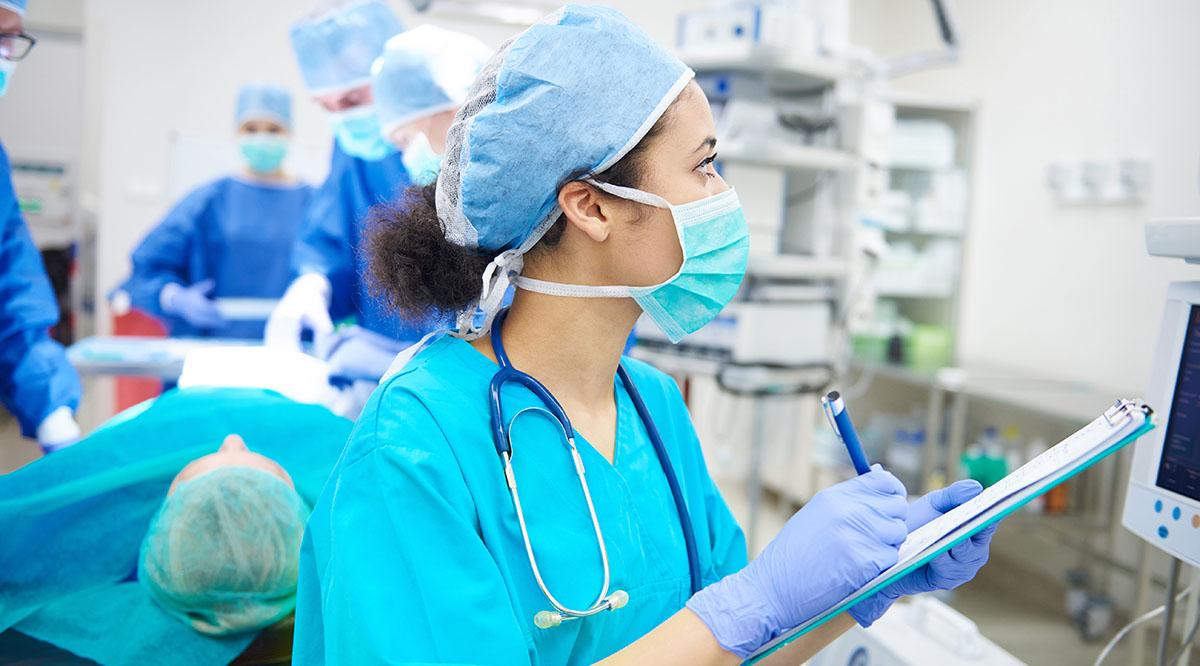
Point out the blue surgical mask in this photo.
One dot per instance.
(357, 132)
(7, 67)
(263, 152)
(420, 161)
(716, 245)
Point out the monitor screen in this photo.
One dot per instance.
(1179, 470)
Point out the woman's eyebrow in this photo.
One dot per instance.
(707, 144)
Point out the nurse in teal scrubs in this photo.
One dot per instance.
(580, 170)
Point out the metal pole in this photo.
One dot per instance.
(1164, 639)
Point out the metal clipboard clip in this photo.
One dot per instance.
(1124, 409)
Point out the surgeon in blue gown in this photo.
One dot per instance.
(230, 238)
(579, 169)
(37, 384)
(335, 50)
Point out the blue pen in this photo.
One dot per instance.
(839, 420)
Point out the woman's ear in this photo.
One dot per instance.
(586, 209)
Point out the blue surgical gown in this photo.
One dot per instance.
(329, 240)
(413, 553)
(35, 377)
(234, 231)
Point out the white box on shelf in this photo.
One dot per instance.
(781, 333)
(766, 27)
(922, 144)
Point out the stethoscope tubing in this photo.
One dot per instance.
(502, 439)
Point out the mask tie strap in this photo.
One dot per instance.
(629, 193)
(494, 284)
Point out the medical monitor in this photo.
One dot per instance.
(1162, 502)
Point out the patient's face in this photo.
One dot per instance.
(233, 453)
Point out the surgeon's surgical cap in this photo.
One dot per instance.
(17, 6)
(263, 101)
(424, 71)
(223, 552)
(571, 95)
(335, 48)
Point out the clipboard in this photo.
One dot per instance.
(1119, 426)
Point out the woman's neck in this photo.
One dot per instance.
(572, 345)
(276, 177)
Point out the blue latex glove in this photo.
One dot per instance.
(192, 304)
(844, 537)
(360, 355)
(946, 571)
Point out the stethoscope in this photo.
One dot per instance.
(503, 438)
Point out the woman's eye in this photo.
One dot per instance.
(707, 165)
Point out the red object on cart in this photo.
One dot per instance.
(134, 390)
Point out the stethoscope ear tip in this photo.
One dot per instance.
(618, 599)
(547, 619)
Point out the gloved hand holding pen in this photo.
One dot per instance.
(845, 536)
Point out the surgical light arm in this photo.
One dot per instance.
(947, 55)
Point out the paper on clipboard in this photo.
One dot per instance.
(1119, 426)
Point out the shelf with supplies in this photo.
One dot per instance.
(790, 74)
(917, 294)
(924, 233)
(1074, 403)
(786, 156)
(923, 223)
(788, 267)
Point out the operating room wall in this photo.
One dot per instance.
(1063, 291)
(163, 73)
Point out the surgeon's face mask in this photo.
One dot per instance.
(358, 133)
(7, 67)
(420, 161)
(263, 152)
(716, 244)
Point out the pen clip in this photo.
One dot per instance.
(827, 407)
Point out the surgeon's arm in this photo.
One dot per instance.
(35, 377)
(324, 244)
(684, 639)
(164, 255)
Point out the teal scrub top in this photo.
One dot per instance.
(413, 553)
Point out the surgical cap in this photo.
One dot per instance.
(570, 95)
(17, 6)
(424, 71)
(223, 551)
(335, 49)
(263, 101)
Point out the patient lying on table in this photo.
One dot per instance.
(222, 554)
(162, 536)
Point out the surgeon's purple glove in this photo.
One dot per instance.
(841, 539)
(193, 304)
(946, 571)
